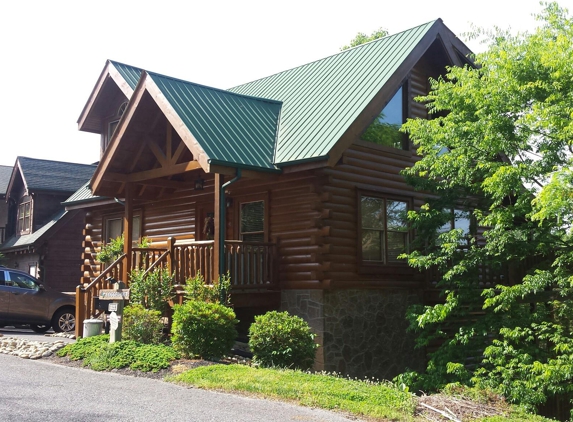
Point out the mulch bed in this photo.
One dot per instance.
(439, 407)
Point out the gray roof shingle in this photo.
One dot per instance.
(5, 173)
(47, 175)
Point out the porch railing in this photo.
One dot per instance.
(251, 265)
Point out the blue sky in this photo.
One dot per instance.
(55, 51)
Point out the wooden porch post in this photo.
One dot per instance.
(218, 220)
(127, 231)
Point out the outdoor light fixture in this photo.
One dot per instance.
(199, 183)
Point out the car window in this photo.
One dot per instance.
(22, 281)
(2, 278)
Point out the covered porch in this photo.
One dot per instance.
(158, 150)
(252, 267)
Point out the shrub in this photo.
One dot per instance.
(142, 325)
(83, 347)
(131, 354)
(282, 340)
(114, 249)
(203, 329)
(218, 292)
(110, 251)
(153, 291)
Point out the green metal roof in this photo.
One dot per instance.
(83, 194)
(292, 116)
(232, 129)
(321, 99)
(131, 74)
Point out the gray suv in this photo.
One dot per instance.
(23, 300)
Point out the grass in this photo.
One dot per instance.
(362, 398)
(379, 400)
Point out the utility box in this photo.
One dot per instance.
(92, 327)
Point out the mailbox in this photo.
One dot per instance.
(112, 301)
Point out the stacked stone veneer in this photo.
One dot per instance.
(362, 333)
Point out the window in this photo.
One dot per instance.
(24, 217)
(23, 281)
(114, 229)
(112, 124)
(385, 129)
(384, 234)
(461, 219)
(252, 223)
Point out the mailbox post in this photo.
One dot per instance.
(117, 296)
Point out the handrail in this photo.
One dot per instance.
(109, 269)
(161, 259)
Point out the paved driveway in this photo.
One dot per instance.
(38, 391)
(27, 334)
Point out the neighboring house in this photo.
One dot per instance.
(41, 237)
(5, 173)
(291, 183)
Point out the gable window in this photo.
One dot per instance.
(25, 217)
(385, 129)
(252, 221)
(113, 123)
(384, 229)
(114, 229)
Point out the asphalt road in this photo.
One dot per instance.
(40, 391)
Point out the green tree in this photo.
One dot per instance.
(499, 147)
(362, 38)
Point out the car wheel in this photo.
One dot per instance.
(39, 328)
(64, 320)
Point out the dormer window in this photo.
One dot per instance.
(25, 217)
(385, 129)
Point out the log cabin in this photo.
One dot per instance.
(290, 183)
(41, 237)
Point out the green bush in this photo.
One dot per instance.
(218, 292)
(153, 291)
(142, 325)
(282, 340)
(83, 347)
(101, 355)
(111, 251)
(203, 329)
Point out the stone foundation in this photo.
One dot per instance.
(362, 332)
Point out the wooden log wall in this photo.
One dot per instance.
(171, 216)
(368, 168)
(295, 224)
